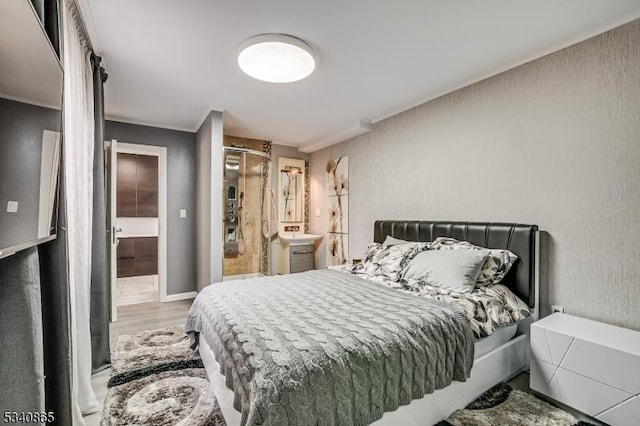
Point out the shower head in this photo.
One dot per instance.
(232, 162)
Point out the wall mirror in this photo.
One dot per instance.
(30, 123)
(291, 191)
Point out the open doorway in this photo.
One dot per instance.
(138, 224)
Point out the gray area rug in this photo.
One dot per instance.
(157, 379)
(504, 406)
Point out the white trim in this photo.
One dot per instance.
(113, 253)
(159, 125)
(360, 128)
(181, 296)
(50, 162)
(161, 153)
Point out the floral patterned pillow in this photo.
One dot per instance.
(495, 267)
(388, 261)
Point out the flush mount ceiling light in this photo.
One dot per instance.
(276, 58)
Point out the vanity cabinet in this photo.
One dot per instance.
(137, 256)
(137, 185)
(301, 258)
(296, 258)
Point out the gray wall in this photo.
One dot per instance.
(21, 127)
(554, 142)
(209, 145)
(203, 204)
(181, 193)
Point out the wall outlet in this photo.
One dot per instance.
(12, 207)
(557, 308)
(183, 213)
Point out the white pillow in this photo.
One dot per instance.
(496, 265)
(454, 270)
(391, 241)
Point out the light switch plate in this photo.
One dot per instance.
(317, 212)
(183, 213)
(12, 207)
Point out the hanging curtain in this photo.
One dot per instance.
(21, 365)
(100, 353)
(78, 173)
(55, 315)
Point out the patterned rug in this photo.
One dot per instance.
(504, 406)
(157, 379)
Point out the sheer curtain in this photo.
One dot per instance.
(78, 173)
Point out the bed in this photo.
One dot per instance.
(380, 370)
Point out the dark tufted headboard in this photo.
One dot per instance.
(520, 239)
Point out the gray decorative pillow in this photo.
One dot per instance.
(454, 270)
(391, 241)
(388, 261)
(495, 267)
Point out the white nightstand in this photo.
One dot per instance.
(590, 366)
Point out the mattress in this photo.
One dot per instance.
(499, 337)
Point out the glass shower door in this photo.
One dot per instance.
(246, 191)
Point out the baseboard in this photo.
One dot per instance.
(180, 296)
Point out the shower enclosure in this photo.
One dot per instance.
(246, 202)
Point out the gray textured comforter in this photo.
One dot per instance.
(327, 348)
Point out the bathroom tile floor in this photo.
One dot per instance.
(136, 290)
(242, 276)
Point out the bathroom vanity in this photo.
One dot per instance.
(296, 249)
(296, 253)
(296, 259)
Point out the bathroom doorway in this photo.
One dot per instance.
(137, 189)
(246, 203)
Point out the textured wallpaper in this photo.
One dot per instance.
(554, 142)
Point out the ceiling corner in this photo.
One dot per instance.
(361, 127)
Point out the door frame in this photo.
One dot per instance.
(161, 153)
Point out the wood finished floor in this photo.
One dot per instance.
(130, 320)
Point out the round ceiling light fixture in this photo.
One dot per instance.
(276, 58)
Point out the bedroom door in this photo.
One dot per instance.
(113, 230)
(143, 232)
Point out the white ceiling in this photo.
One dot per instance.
(170, 62)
